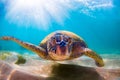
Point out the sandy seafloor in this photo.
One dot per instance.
(112, 61)
(36, 68)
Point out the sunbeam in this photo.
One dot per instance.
(42, 13)
(38, 12)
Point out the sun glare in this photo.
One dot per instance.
(41, 13)
(38, 12)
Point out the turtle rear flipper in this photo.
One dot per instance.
(98, 60)
(37, 49)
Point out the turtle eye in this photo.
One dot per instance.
(53, 41)
(65, 39)
(53, 48)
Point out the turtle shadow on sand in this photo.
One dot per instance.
(74, 72)
(59, 72)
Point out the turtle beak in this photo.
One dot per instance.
(62, 50)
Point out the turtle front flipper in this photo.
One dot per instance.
(98, 60)
(37, 49)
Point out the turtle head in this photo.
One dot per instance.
(59, 46)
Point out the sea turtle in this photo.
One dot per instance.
(59, 46)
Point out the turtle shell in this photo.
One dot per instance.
(75, 37)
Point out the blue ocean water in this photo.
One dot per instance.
(96, 21)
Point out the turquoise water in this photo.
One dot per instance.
(96, 21)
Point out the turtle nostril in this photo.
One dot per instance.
(62, 44)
